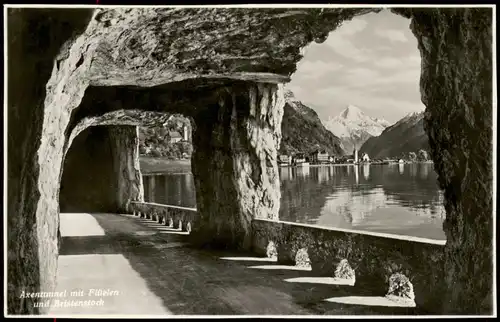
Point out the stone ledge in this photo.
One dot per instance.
(363, 232)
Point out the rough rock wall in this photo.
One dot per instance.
(234, 163)
(34, 39)
(64, 92)
(89, 178)
(456, 87)
(125, 151)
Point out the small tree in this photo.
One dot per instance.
(423, 155)
(412, 156)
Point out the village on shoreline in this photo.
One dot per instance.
(151, 164)
(321, 157)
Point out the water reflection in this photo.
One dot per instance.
(423, 170)
(171, 189)
(323, 174)
(366, 171)
(302, 171)
(400, 198)
(285, 173)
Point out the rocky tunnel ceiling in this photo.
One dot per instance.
(188, 97)
(162, 45)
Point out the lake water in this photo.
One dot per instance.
(401, 199)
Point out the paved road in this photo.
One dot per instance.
(128, 265)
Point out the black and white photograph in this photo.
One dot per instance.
(300, 160)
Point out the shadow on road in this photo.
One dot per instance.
(190, 281)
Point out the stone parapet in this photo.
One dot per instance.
(177, 217)
(378, 260)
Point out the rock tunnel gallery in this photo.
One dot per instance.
(81, 81)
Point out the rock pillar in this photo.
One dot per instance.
(125, 149)
(234, 163)
(456, 87)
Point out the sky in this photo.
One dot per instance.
(371, 61)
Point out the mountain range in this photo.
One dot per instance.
(303, 131)
(406, 135)
(354, 127)
(301, 128)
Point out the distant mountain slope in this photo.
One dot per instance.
(407, 135)
(354, 127)
(302, 130)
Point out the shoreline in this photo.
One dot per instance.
(157, 165)
(358, 164)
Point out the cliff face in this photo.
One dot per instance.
(302, 130)
(189, 61)
(406, 135)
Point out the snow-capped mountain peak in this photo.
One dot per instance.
(382, 122)
(354, 127)
(413, 114)
(353, 113)
(411, 117)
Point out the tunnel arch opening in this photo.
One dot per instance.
(88, 181)
(362, 83)
(120, 109)
(165, 153)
